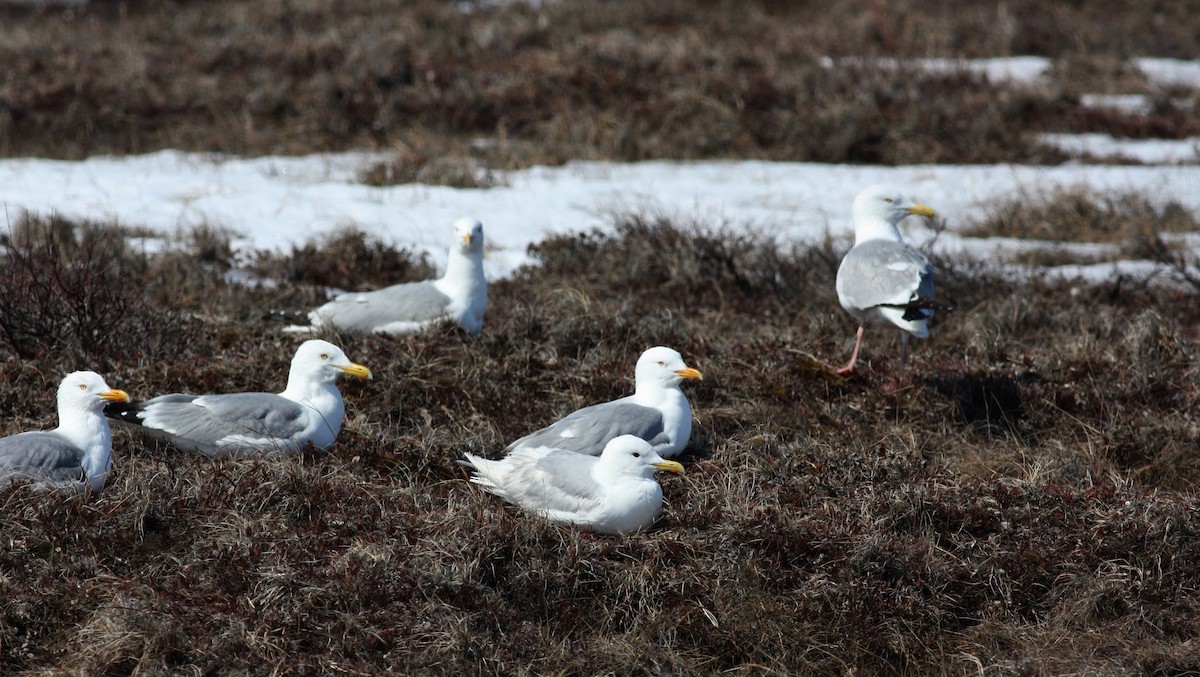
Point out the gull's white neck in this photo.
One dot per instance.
(464, 272)
(323, 396)
(89, 431)
(632, 498)
(466, 286)
(324, 399)
(655, 394)
(676, 413)
(875, 228)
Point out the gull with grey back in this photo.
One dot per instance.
(657, 412)
(459, 295)
(613, 493)
(308, 411)
(883, 280)
(78, 453)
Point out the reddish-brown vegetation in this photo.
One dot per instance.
(450, 85)
(1025, 504)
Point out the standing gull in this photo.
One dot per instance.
(615, 493)
(459, 295)
(76, 454)
(657, 412)
(881, 278)
(308, 411)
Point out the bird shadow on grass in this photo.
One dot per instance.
(990, 404)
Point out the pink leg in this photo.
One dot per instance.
(854, 355)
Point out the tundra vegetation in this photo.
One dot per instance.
(1024, 504)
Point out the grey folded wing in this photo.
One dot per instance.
(41, 455)
(412, 302)
(885, 273)
(559, 482)
(587, 430)
(210, 422)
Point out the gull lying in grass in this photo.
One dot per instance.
(657, 412)
(76, 454)
(459, 295)
(614, 493)
(881, 278)
(308, 411)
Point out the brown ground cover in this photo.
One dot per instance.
(453, 84)
(1026, 503)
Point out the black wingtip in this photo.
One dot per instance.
(919, 308)
(913, 313)
(124, 411)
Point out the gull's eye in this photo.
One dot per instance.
(637, 454)
(324, 356)
(661, 363)
(83, 386)
(888, 200)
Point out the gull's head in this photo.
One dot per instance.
(632, 455)
(323, 362)
(878, 205)
(662, 367)
(87, 391)
(468, 236)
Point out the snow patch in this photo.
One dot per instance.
(1170, 72)
(274, 203)
(1148, 151)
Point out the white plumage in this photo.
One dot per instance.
(459, 295)
(308, 411)
(613, 493)
(657, 412)
(76, 454)
(881, 279)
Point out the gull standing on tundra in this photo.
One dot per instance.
(308, 411)
(78, 453)
(657, 412)
(459, 295)
(615, 493)
(881, 278)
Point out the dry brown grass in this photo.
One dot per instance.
(64, 292)
(1025, 504)
(433, 159)
(459, 93)
(1082, 214)
(347, 259)
(1082, 226)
